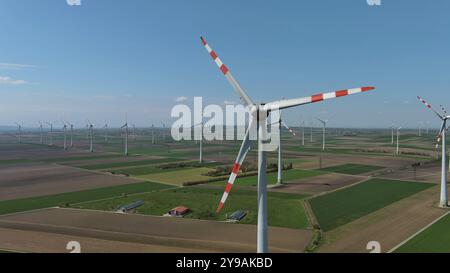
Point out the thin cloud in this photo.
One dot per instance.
(13, 66)
(9, 80)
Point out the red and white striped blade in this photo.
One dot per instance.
(282, 104)
(289, 129)
(226, 72)
(245, 147)
(430, 107)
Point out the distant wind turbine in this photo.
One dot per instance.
(20, 132)
(324, 126)
(126, 134)
(41, 140)
(91, 136)
(398, 140)
(51, 132)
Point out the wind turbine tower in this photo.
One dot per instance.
(324, 125)
(20, 132)
(126, 134)
(398, 140)
(51, 132)
(65, 136)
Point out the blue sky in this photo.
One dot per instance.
(104, 58)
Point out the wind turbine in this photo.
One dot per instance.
(311, 134)
(65, 135)
(280, 161)
(441, 137)
(398, 140)
(324, 123)
(200, 160)
(51, 132)
(106, 132)
(91, 136)
(420, 129)
(71, 135)
(126, 134)
(20, 132)
(259, 114)
(41, 132)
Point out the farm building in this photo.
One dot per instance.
(179, 211)
(237, 216)
(130, 207)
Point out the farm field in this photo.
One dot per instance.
(353, 169)
(112, 232)
(64, 199)
(343, 206)
(37, 177)
(434, 239)
(288, 175)
(285, 210)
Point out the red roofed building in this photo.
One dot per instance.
(179, 211)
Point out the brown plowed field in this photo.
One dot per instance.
(172, 234)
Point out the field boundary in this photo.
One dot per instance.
(418, 232)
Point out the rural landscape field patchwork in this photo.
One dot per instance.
(323, 196)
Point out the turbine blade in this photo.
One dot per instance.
(228, 75)
(245, 147)
(430, 107)
(289, 129)
(282, 104)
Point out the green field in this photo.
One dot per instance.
(62, 199)
(352, 169)
(79, 158)
(343, 206)
(288, 175)
(128, 163)
(178, 177)
(435, 239)
(284, 210)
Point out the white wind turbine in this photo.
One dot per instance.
(71, 134)
(51, 132)
(65, 135)
(91, 136)
(398, 140)
(106, 131)
(311, 133)
(441, 137)
(41, 129)
(126, 134)
(280, 161)
(200, 160)
(324, 126)
(19, 126)
(259, 114)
